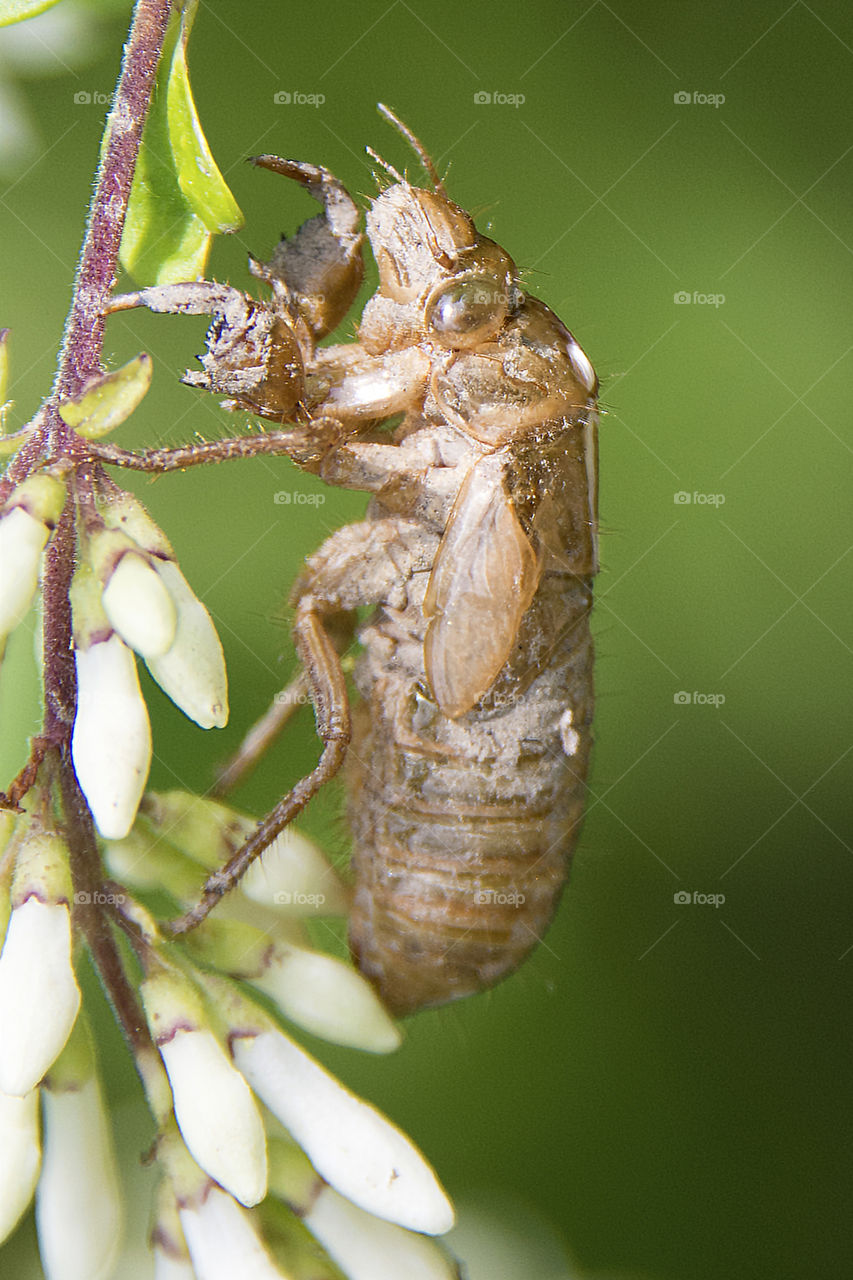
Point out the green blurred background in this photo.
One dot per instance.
(664, 1088)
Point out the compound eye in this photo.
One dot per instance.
(581, 367)
(466, 312)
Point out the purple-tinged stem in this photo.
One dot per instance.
(80, 356)
(79, 359)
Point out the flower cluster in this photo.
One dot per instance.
(270, 1167)
(128, 596)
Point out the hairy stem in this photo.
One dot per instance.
(93, 920)
(80, 356)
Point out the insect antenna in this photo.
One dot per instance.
(416, 145)
(389, 168)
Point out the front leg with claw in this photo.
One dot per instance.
(253, 355)
(258, 352)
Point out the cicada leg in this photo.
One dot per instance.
(253, 354)
(257, 351)
(262, 735)
(359, 564)
(327, 688)
(271, 724)
(316, 272)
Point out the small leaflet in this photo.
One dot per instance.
(108, 401)
(16, 10)
(179, 199)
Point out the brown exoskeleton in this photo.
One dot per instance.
(469, 745)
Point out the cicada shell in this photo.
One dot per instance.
(467, 772)
(468, 411)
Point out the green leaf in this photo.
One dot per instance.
(109, 400)
(16, 10)
(179, 199)
(11, 443)
(198, 176)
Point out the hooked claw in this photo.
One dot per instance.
(320, 267)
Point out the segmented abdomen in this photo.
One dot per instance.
(463, 829)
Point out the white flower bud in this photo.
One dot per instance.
(327, 998)
(168, 1268)
(78, 1201)
(171, 1256)
(323, 994)
(192, 673)
(148, 863)
(294, 876)
(216, 1114)
(26, 520)
(350, 1144)
(39, 996)
(111, 741)
(20, 1157)
(223, 1242)
(205, 830)
(22, 540)
(139, 606)
(366, 1248)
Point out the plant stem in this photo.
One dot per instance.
(93, 920)
(80, 356)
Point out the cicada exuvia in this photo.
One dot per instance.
(468, 411)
